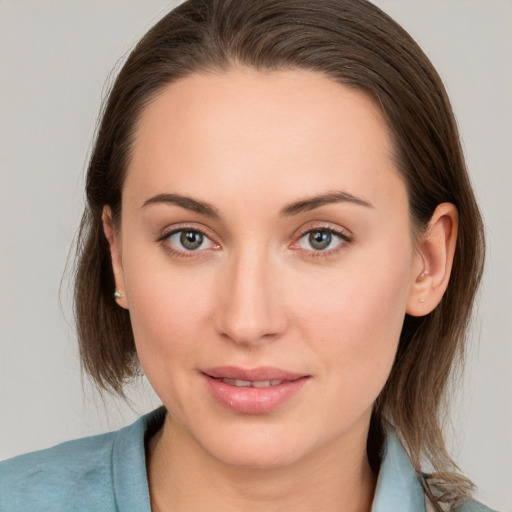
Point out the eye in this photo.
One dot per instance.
(188, 240)
(322, 240)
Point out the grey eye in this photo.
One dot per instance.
(189, 240)
(319, 240)
(322, 240)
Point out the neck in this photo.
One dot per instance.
(182, 476)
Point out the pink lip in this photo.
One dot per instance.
(262, 373)
(252, 400)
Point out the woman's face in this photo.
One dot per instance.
(266, 257)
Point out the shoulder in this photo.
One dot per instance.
(472, 506)
(400, 487)
(465, 506)
(74, 475)
(100, 473)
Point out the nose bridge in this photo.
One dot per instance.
(248, 308)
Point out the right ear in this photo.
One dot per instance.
(112, 236)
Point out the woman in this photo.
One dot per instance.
(281, 234)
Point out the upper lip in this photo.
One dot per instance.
(262, 373)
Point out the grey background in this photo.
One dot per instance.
(54, 57)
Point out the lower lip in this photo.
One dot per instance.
(249, 400)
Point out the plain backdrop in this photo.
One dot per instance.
(55, 57)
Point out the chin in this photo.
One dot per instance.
(255, 450)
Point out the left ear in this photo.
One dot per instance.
(433, 261)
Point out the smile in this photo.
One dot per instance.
(249, 383)
(253, 391)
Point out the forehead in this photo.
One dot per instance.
(243, 130)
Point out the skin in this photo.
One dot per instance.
(257, 293)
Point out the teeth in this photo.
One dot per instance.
(261, 384)
(248, 383)
(266, 383)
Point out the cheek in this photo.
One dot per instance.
(168, 310)
(169, 324)
(354, 317)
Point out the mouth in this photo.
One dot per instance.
(253, 391)
(251, 383)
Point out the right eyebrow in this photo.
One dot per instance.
(184, 202)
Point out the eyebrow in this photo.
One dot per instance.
(321, 200)
(184, 202)
(303, 205)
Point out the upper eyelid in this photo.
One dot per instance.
(345, 238)
(299, 233)
(184, 227)
(163, 240)
(324, 226)
(176, 251)
(345, 235)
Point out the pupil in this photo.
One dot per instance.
(191, 239)
(320, 240)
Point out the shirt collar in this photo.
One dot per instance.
(398, 486)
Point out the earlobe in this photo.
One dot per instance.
(112, 237)
(433, 262)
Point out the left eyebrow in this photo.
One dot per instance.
(321, 200)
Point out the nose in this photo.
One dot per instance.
(249, 308)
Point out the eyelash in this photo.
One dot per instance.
(343, 236)
(164, 240)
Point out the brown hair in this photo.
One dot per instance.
(353, 43)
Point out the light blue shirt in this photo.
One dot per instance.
(107, 473)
